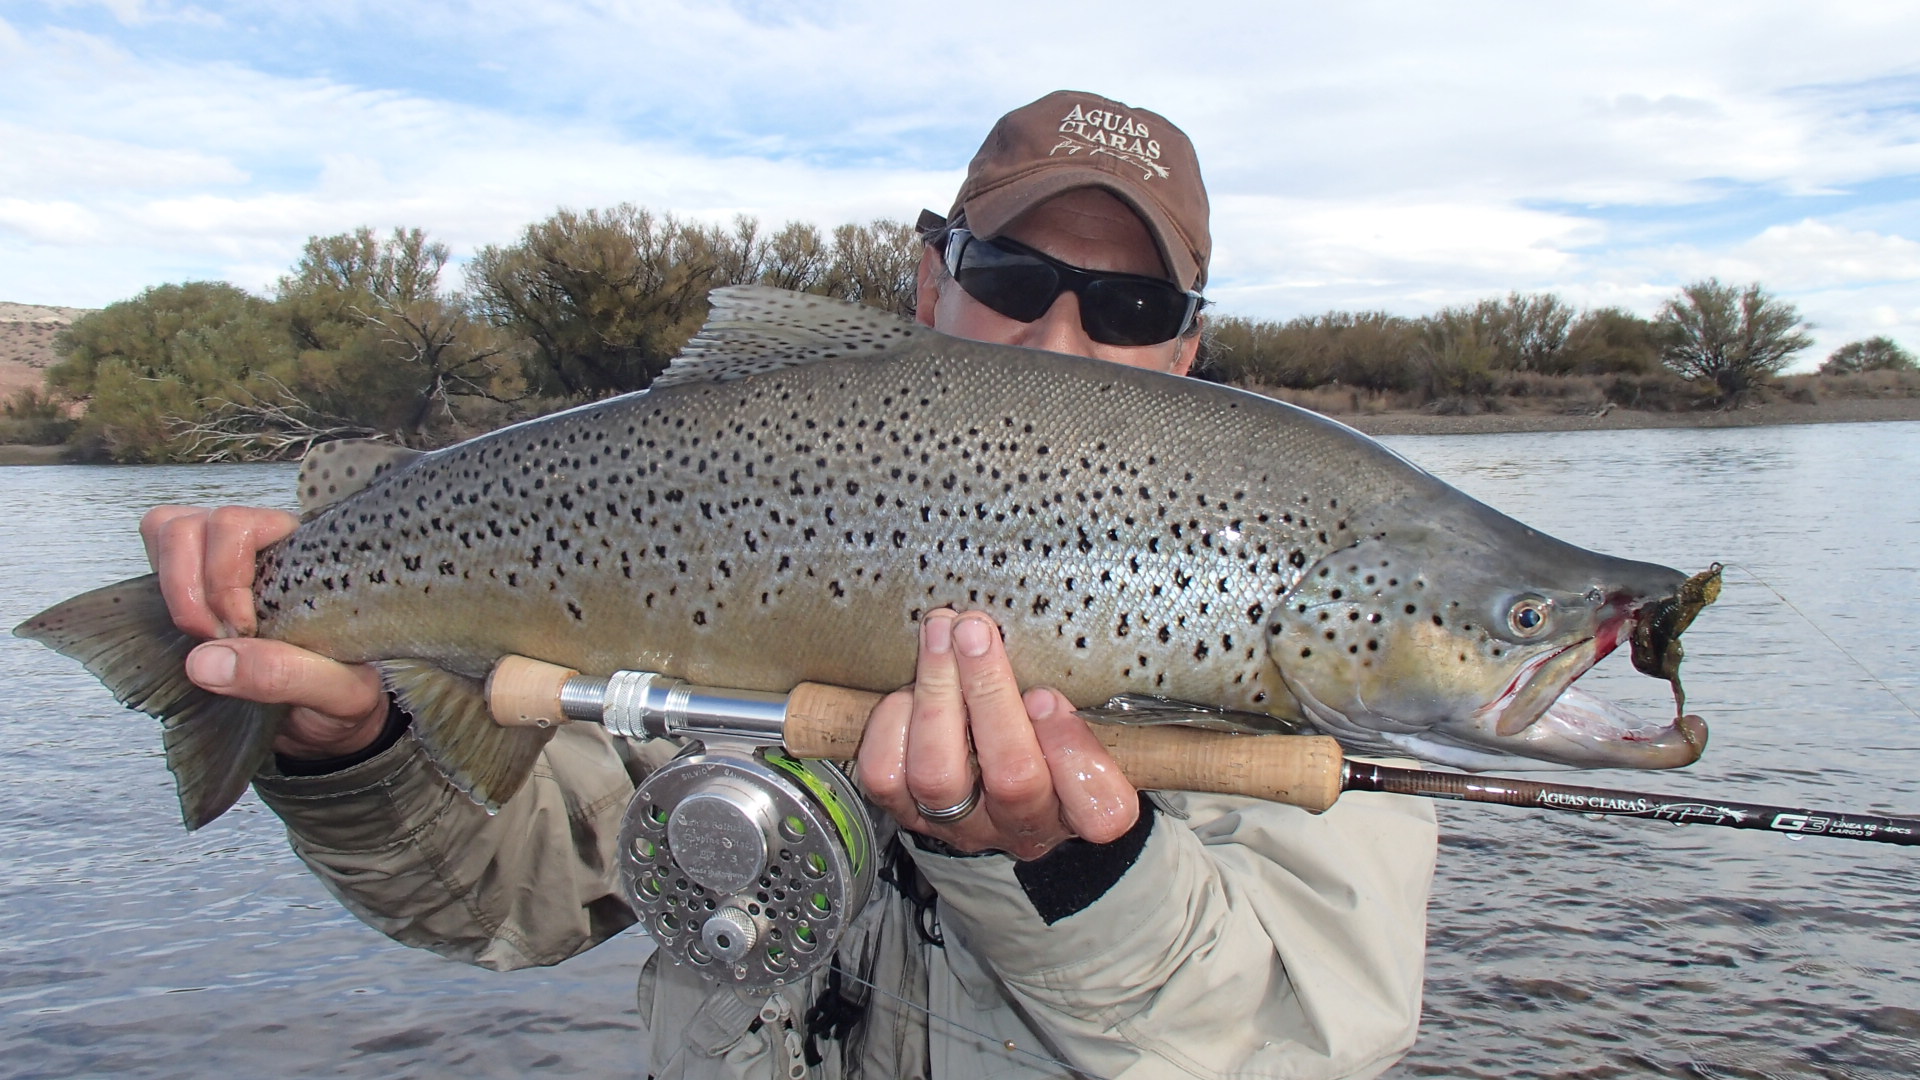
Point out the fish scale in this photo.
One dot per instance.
(812, 477)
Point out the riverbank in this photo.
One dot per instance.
(1415, 422)
(1834, 411)
(17, 454)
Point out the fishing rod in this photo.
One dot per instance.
(749, 854)
(1678, 809)
(1310, 771)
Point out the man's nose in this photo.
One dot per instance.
(1059, 330)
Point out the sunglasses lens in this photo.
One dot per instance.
(1118, 311)
(1017, 286)
(1115, 309)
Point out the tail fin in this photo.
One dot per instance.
(124, 636)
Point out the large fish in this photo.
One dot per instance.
(812, 476)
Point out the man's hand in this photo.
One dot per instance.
(1043, 777)
(205, 559)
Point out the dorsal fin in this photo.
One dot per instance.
(756, 328)
(332, 471)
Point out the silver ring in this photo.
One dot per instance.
(952, 813)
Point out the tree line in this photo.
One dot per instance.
(369, 336)
(1711, 345)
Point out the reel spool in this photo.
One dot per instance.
(746, 864)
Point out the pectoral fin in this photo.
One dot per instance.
(450, 718)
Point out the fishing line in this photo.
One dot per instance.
(1867, 671)
(1011, 1048)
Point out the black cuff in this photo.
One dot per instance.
(1072, 876)
(398, 720)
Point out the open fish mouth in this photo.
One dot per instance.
(1541, 713)
(1544, 715)
(1612, 737)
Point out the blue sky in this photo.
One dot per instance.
(1364, 155)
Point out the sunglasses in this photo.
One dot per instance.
(1020, 283)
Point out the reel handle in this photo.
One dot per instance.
(828, 722)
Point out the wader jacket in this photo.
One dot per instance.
(1245, 939)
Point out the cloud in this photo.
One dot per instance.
(1369, 154)
(1814, 255)
(53, 221)
(40, 161)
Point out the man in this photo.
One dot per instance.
(1077, 923)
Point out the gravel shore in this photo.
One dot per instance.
(1836, 411)
(1839, 411)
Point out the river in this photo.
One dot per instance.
(1559, 946)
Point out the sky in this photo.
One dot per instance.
(1380, 156)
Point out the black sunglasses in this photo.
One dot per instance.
(1021, 284)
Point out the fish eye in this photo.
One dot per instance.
(1528, 616)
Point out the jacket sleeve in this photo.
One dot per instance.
(1249, 939)
(417, 860)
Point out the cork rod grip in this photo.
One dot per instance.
(828, 721)
(1301, 770)
(526, 693)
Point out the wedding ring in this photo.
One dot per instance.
(952, 813)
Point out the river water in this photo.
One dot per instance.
(1559, 946)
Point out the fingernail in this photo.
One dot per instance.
(972, 636)
(1039, 704)
(937, 632)
(212, 666)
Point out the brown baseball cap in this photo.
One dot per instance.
(1070, 139)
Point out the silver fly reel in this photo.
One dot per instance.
(746, 864)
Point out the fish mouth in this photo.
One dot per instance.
(1588, 731)
(1542, 714)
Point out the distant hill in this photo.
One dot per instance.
(26, 342)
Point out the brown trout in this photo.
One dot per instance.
(811, 477)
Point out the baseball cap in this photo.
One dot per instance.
(1072, 139)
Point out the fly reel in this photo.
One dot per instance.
(746, 864)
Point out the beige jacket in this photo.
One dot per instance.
(1249, 939)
